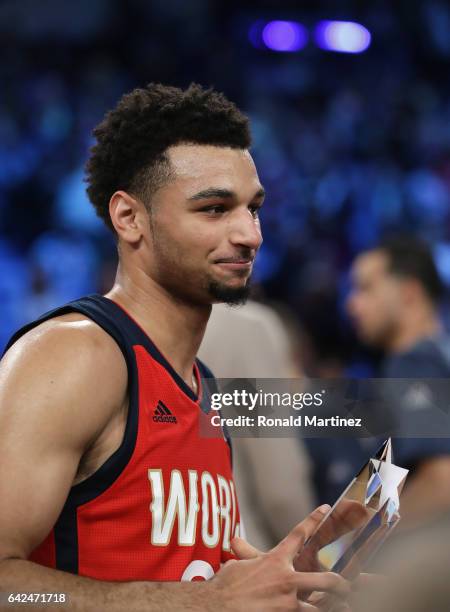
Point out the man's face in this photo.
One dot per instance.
(204, 226)
(376, 301)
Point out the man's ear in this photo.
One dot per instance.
(128, 215)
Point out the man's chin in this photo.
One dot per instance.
(233, 296)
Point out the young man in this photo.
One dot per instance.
(108, 493)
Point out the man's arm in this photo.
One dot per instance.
(60, 386)
(87, 595)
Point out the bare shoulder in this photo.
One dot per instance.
(66, 330)
(62, 384)
(67, 364)
(73, 336)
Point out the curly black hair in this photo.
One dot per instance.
(133, 137)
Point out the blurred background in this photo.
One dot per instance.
(351, 126)
(350, 109)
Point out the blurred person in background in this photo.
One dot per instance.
(272, 474)
(394, 305)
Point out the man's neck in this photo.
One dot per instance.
(176, 327)
(414, 328)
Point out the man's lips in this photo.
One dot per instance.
(234, 263)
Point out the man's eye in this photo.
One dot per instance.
(214, 210)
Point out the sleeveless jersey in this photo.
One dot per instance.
(163, 506)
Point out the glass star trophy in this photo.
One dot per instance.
(359, 522)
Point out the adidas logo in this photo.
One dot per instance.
(163, 415)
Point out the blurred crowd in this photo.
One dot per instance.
(349, 147)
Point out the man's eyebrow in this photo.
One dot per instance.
(212, 192)
(215, 192)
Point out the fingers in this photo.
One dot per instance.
(323, 582)
(295, 540)
(243, 550)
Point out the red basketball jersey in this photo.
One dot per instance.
(163, 506)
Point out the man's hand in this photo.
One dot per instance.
(268, 581)
(346, 516)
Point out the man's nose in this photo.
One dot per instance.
(246, 231)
